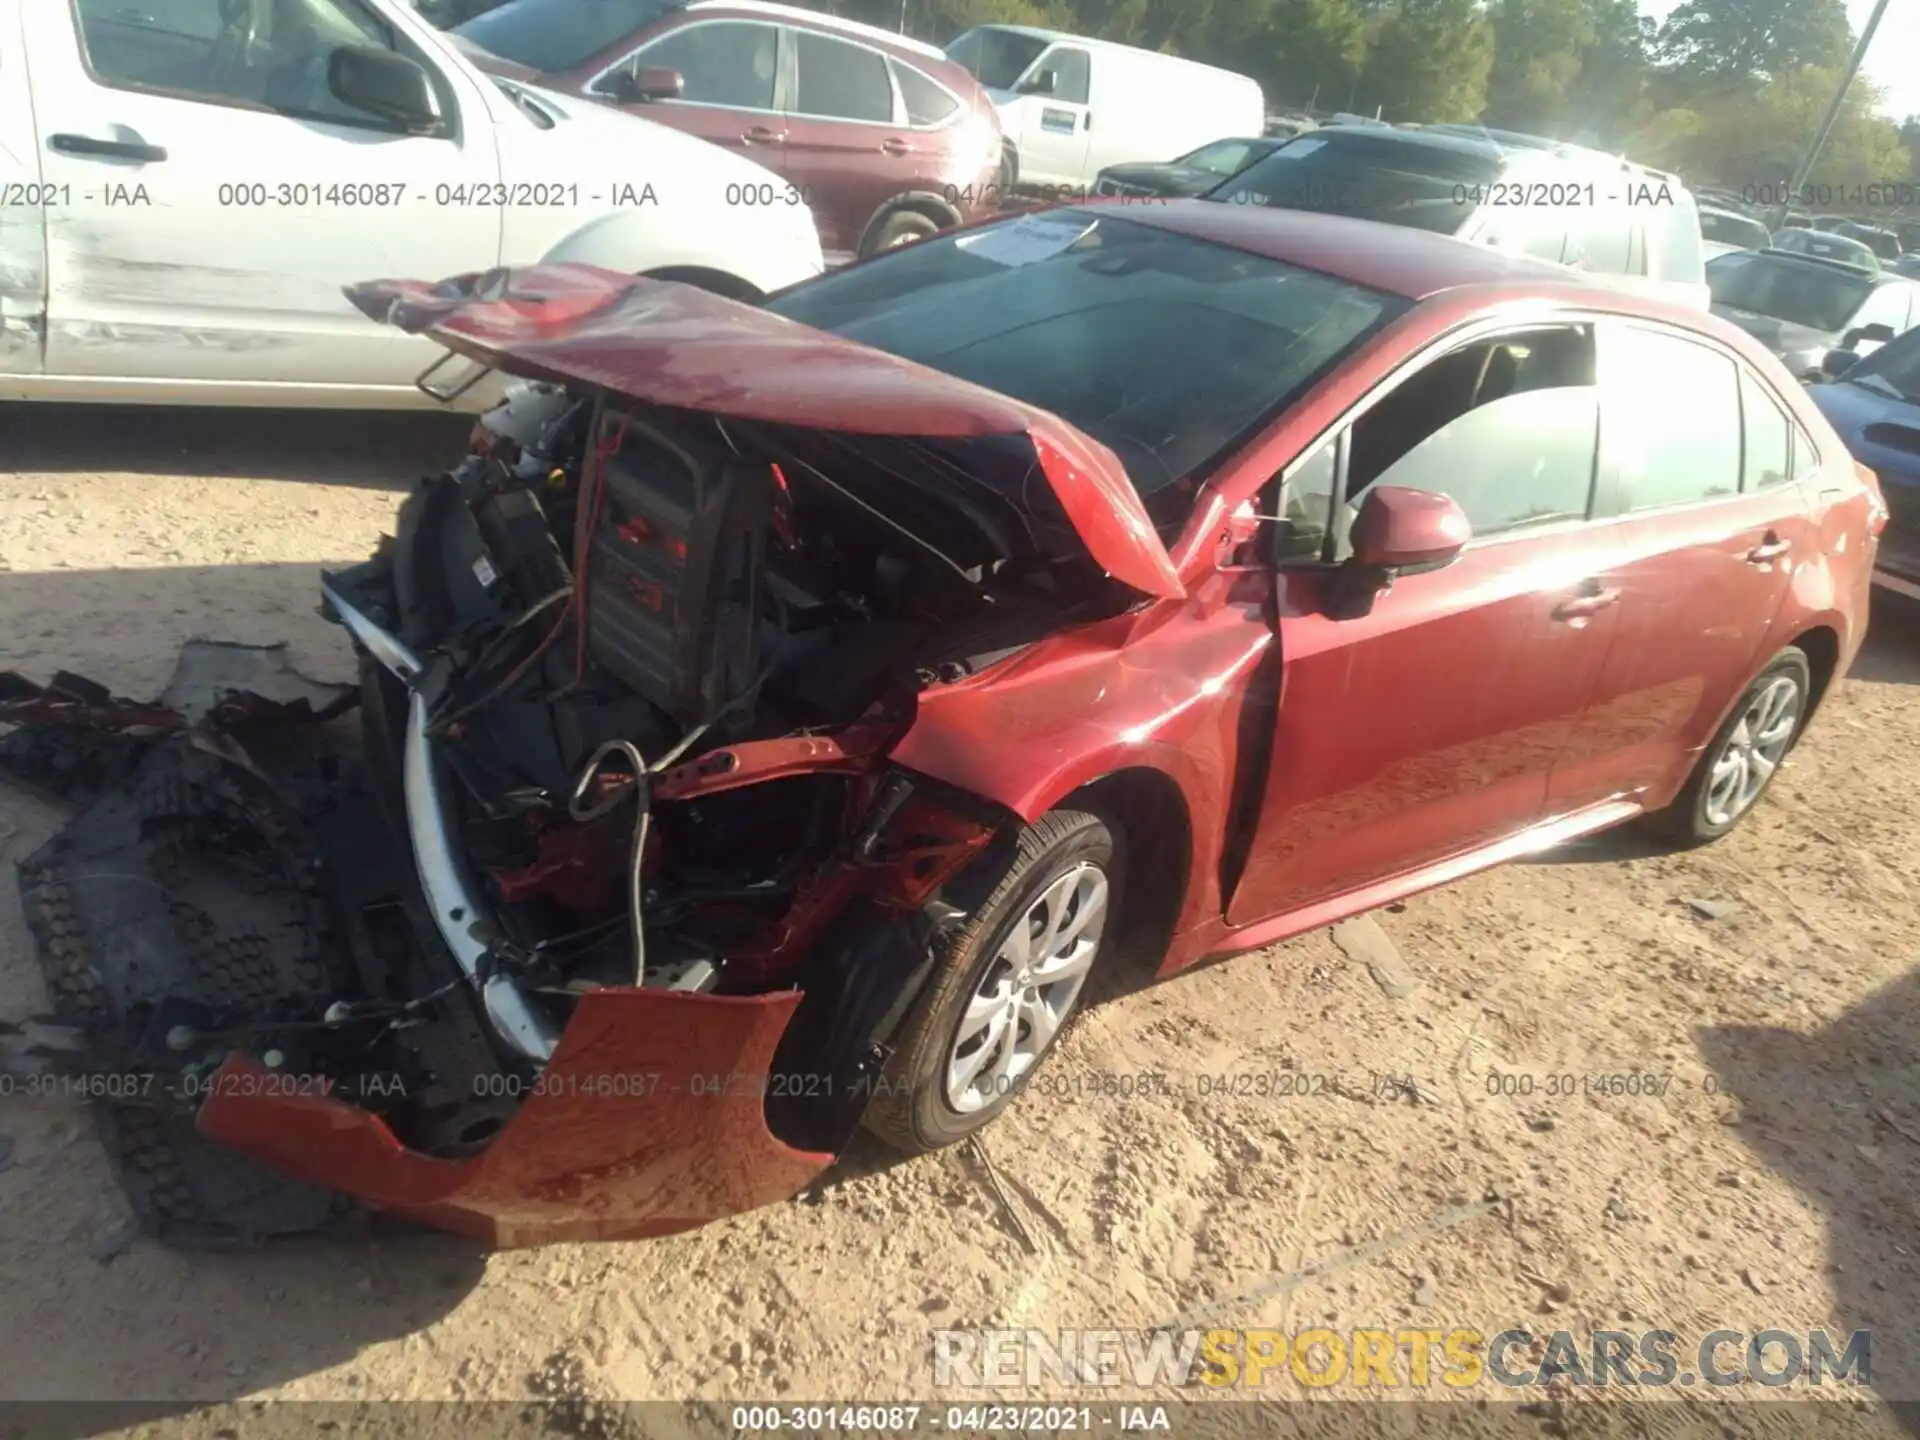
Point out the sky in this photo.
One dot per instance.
(1897, 37)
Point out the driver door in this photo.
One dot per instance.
(221, 196)
(1053, 129)
(1430, 726)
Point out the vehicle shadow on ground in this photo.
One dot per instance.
(1836, 1111)
(368, 449)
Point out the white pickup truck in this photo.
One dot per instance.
(186, 185)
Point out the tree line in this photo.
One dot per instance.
(1726, 92)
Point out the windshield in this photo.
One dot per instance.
(995, 57)
(1225, 157)
(1373, 177)
(1809, 295)
(552, 35)
(1167, 349)
(1897, 364)
(1725, 229)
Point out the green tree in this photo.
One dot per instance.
(1755, 39)
(1428, 61)
(1539, 50)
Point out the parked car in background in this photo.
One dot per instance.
(207, 185)
(1874, 403)
(1192, 174)
(1801, 306)
(882, 137)
(1723, 231)
(1365, 122)
(1071, 106)
(1826, 223)
(1884, 243)
(1103, 587)
(1909, 233)
(1285, 127)
(1572, 211)
(1825, 245)
(1908, 265)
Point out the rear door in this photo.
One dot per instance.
(1429, 727)
(728, 70)
(1698, 545)
(221, 196)
(849, 146)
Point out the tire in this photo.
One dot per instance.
(1066, 856)
(1009, 176)
(1763, 726)
(903, 227)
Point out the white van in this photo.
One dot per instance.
(1069, 106)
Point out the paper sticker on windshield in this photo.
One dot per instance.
(1028, 239)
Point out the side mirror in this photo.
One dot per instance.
(1836, 363)
(1398, 530)
(1876, 334)
(1041, 82)
(385, 84)
(638, 87)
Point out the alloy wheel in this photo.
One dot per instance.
(1753, 750)
(1028, 989)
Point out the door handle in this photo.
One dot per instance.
(896, 147)
(1089, 124)
(761, 135)
(111, 149)
(1589, 602)
(1769, 549)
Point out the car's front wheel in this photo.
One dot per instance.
(1006, 984)
(1744, 756)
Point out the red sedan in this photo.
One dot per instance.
(792, 707)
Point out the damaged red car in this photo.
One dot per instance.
(785, 713)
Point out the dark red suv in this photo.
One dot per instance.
(884, 138)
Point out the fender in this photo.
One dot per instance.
(935, 207)
(639, 239)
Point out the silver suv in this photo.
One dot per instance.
(1608, 217)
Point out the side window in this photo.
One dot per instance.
(1600, 239)
(839, 81)
(1806, 460)
(1673, 423)
(927, 103)
(1073, 72)
(1769, 437)
(722, 63)
(1536, 230)
(189, 48)
(1887, 305)
(1306, 505)
(1506, 426)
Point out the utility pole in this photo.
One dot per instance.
(1812, 157)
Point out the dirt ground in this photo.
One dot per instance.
(1769, 983)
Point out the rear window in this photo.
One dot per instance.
(558, 34)
(927, 103)
(1366, 175)
(1167, 349)
(1883, 243)
(1799, 294)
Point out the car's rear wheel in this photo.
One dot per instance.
(1744, 756)
(1006, 984)
(903, 228)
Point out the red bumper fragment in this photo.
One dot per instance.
(649, 1119)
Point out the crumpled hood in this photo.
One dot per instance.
(672, 344)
